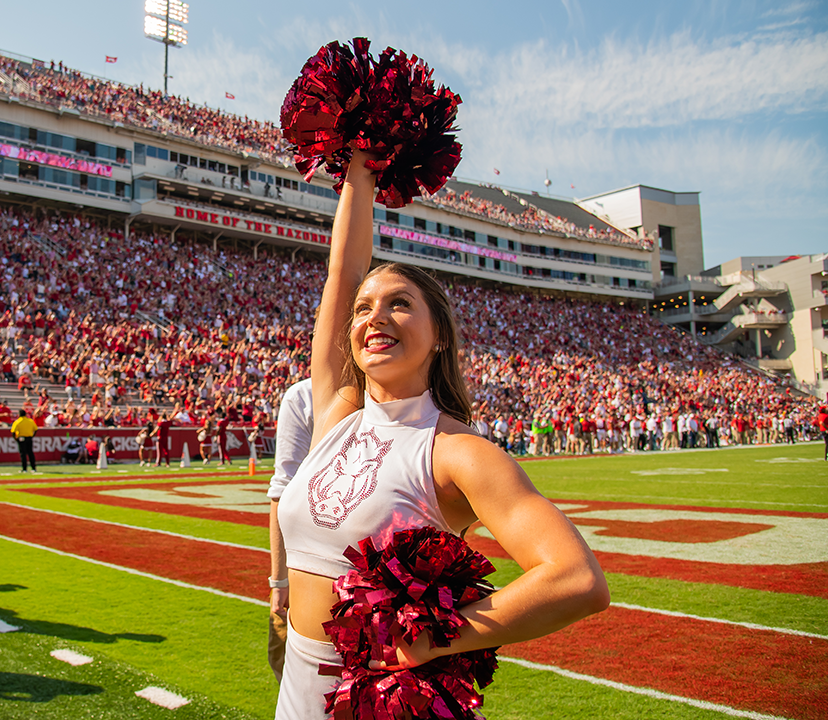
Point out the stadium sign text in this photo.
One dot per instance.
(257, 226)
(445, 243)
(61, 161)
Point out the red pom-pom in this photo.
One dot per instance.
(416, 584)
(389, 108)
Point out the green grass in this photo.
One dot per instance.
(199, 642)
(34, 684)
(750, 480)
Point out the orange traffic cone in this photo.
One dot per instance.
(251, 467)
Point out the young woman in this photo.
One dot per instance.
(392, 449)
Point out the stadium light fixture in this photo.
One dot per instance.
(163, 22)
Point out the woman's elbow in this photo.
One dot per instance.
(593, 590)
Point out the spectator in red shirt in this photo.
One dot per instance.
(5, 415)
(224, 421)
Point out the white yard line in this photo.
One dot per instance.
(139, 573)
(137, 527)
(647, 692)
(751, 626)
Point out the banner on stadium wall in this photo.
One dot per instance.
(257, 226)
(446, 243)
(60, 161)
(50, 443)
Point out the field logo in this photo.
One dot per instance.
(242, 497)
(699, 536)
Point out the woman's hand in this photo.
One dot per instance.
(279, 602)
(409, 656)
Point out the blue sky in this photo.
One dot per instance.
(725, 97)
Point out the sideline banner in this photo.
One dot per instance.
(49, 443)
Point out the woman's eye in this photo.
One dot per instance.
(402, 302)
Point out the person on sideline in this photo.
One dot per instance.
(24, 429)
(294, 429)
(392, 449)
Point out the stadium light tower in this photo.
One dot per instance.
(163, 22)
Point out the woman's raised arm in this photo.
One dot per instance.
(351, 246)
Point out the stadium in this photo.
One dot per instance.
(164, 257)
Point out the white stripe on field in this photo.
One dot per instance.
(137, 527)
(164, 698)
(655, 694)
(170, 581)
(71, 657)
(6, 628)
(752, 626)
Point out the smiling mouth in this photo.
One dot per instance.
(380, 342)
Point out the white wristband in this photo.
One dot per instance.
(278, 583)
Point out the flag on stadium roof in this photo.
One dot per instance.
(497, 172)
(229, 96)
(109, 58)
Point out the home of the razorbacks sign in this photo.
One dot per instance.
(251, 225)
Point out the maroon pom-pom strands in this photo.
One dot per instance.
(388, 107)
(416, 584)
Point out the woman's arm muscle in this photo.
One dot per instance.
(562, 580)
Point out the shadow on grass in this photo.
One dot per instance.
(74, 632)
(11, 587)
(36, 689)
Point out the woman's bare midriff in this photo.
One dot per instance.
(311, 600)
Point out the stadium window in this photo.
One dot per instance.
(496, 264)
(616, 281)
(269, 179)
(294, 184)
(202, 163)
(173, 156)
(386, 243)
(492, 240)
(84, 181)
(668, 269)
(222, 168)
(121, 155)
(665, 237)
(439, 228)
(8, 130)
(233, 170)
(152, 151)
(470, 235)
(28, 171)
(419, 224)
(392, 217)
(481, 261)
(193, 161)
(511, 244)
(212, 165)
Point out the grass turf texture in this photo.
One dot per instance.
(190, 640)
(34, 684)
(213, 647)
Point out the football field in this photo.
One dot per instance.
(154, 582)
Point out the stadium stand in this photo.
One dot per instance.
(107, 316)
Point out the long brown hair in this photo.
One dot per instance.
(445, 379)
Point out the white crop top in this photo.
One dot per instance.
(371, 475)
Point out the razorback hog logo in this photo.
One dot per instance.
(347, 480)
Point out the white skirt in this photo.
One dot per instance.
(302, 690)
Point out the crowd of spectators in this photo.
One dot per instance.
(59, 86)
(532, 218)
(122, 325)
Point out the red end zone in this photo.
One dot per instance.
(661, 541)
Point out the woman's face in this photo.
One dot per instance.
(392, 337)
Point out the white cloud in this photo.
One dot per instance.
(668, 83)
